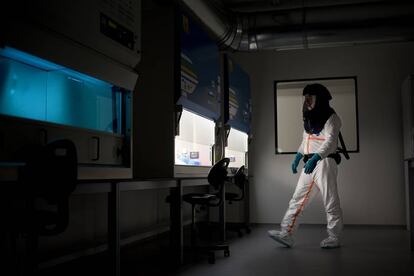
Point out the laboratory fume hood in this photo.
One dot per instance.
(67, 70)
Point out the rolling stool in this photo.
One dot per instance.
(217, 177)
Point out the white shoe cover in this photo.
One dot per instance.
(330, 242)
(281, 237)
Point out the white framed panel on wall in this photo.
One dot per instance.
(288, 100)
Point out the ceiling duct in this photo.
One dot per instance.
(250, 6)
(307, 26)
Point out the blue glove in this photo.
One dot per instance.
(311, 164)
(295, 162)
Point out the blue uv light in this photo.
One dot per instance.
(34, 88)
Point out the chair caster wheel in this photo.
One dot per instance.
(226, 253)
(211, 258)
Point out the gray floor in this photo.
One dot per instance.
(366, 250)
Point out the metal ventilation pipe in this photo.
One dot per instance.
(307, 27)
(220, 22)
(251, 6)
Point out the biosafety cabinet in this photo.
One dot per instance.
(177, 112)
(181, 112)
(237, 113)
(67, 70)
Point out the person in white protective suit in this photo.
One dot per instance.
(318, 149)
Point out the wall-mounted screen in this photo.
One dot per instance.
(288, 111)
(199, 70)
(238, 106)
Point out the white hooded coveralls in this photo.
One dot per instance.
(323, 178)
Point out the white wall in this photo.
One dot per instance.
(371, 183)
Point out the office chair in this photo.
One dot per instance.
(240, 180)
(217, 177)
(47, 180)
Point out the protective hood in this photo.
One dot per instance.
(315, 118)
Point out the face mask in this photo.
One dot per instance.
(309, 102)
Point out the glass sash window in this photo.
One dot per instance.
(193, 146)
(236, 148)
(33, 88)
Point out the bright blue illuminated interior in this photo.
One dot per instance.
(33, 88)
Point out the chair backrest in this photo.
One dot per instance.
(51, 173)
(218, 174)
(240, 178)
